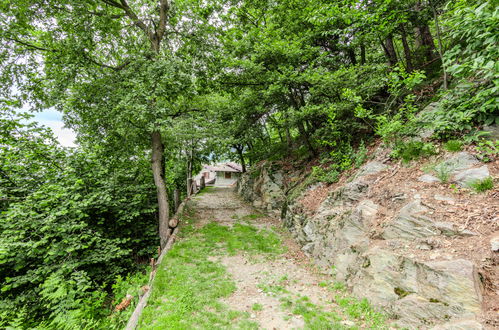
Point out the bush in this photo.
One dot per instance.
(412, 150)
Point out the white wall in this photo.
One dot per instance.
(221, 181)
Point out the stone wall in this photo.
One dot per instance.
(342, 236)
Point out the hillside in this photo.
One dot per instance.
(414, 238)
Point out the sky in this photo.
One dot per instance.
(53, 119)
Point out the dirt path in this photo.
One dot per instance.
(284, 292)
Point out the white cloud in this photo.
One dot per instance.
(65, 136)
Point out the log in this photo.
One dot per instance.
(134, 319)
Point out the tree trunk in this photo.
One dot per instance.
(440, 46)
(157, 170)
(241, 157)
(176, 199)
(351, 55)
(407, 49)
(189, 186)
(389, 49)
(426, 41)
(305, 136)
(362, 54)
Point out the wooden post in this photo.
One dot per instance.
(202, 183)
(189, 186)
(176, 199)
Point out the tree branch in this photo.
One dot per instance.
(164, 8)
(27, 44)
(131, 14)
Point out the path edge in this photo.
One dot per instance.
(134, 318)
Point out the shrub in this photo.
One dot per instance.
(413, 150)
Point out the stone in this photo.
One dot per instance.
(494, 132)
(419, 293)
(494, 243)
(309, 231)
(466, 177)
(426, 178)
(450, 229)
(469, 324)
(458, 162)
(443, 198)
(410, 223)
(372, 167)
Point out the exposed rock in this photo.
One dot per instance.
(465, 178)
(263, 189)
(343, 232)
(493, 130)
(428, 178)
(350, 193)
(410, 223)
(443, 198)
(458, 162)
(469, 324)
(419, 293)
(372, 167)
(494, 243)
(450, 229)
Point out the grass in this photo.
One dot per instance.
(443, 172)
(482, 185)
(205, 190)
(318, 317)
(257, 307)
(453, 145)
(188, 286)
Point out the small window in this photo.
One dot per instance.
(228, 175)
(206, 174)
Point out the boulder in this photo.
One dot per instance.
(419, 293)
(372, 167)
(426, 178)
(494, 132)
(469, 324)
(466, 177)
(458, 162)
(410, 223)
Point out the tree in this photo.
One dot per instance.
(119, 71)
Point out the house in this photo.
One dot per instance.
(219, 175)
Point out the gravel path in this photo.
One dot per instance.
(262, 283)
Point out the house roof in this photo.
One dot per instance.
(224, 167)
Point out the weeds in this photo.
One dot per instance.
(413, 150)
(257, 307)
(453, 145)
(482, 185)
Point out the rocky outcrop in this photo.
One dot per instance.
(263, 188)
(342, 236)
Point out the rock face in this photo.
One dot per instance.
(263, 189)
(342, 237)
